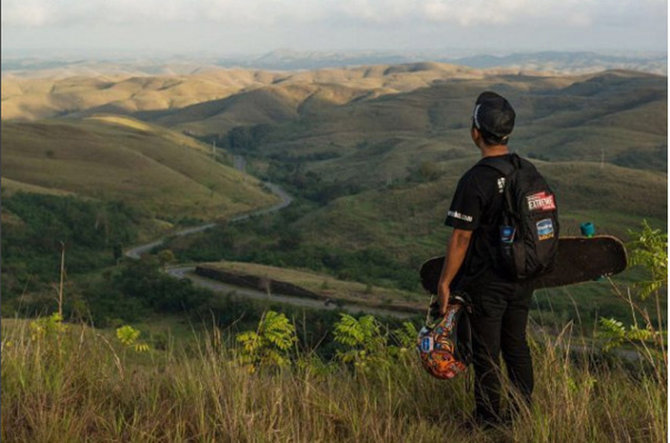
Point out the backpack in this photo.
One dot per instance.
(528, 241)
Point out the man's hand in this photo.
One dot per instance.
(443, 298)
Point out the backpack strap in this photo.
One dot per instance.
(506, 168)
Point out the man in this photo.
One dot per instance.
(500, 305)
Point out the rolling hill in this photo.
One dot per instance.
(406, 220)
(619, 117)
(58, 94)
(34, 97)
(397, 132)
(166, 174)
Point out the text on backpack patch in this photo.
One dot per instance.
(545, 229)
(542, 201)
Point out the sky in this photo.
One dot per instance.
(233, 27)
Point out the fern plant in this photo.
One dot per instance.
(616, 334)
(128, 336)
(365, 342)
(648, 250)
(269, 345)
(47, 327)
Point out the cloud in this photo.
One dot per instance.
(35, 13)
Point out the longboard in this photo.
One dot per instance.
(579, 259)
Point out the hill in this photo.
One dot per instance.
(164, 173)
(338, 121)
(61, 93)
(405, 220)
(82, 93)
(618, 117)
(563, 62)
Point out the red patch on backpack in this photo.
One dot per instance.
(542, 201)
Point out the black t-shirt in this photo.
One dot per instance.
(477, 206)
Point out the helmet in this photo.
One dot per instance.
(444, 343)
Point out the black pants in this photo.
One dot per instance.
(499, 318)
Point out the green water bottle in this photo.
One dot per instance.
(588, 229)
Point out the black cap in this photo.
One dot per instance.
(493, 114)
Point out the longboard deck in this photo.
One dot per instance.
(580, 259)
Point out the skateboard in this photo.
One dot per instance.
(579, 259)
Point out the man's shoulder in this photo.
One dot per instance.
(483, 169)
(503, 164)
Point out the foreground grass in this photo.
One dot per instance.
(84, 385)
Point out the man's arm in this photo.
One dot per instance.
(458, 246)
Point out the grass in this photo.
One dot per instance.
(83, 385)
(117, 158)
(406, 219)
(620, 114)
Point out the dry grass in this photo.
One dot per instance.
(84, 387)
(123, 159)
(65, 91)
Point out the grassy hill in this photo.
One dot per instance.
(216, 388)
(374, 152)
(619, 117)
(117, 158)
(33, 97)
(407, 217)
(387, 115)
(171, 95)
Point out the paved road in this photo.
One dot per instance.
(217, 286)
(183, 271)
(286, 199)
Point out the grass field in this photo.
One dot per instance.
(164, 173)
(84, 384)
(408, 219)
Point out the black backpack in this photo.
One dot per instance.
(528, 241)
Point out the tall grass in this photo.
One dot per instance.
(84, 385)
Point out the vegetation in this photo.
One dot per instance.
(91, 233)
(76, 383)
(372, 155)
(648, 332)
(161, 173)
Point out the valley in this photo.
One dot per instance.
(371, 155)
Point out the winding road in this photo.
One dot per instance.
(182, 271)
(286, 199)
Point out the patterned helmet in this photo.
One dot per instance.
(444, 344)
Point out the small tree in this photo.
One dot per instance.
(165, 257)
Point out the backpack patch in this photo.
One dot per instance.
(542, 201)
(545, 229)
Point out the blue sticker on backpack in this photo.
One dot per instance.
(545, 229)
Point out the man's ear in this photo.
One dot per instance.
(475, 134)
